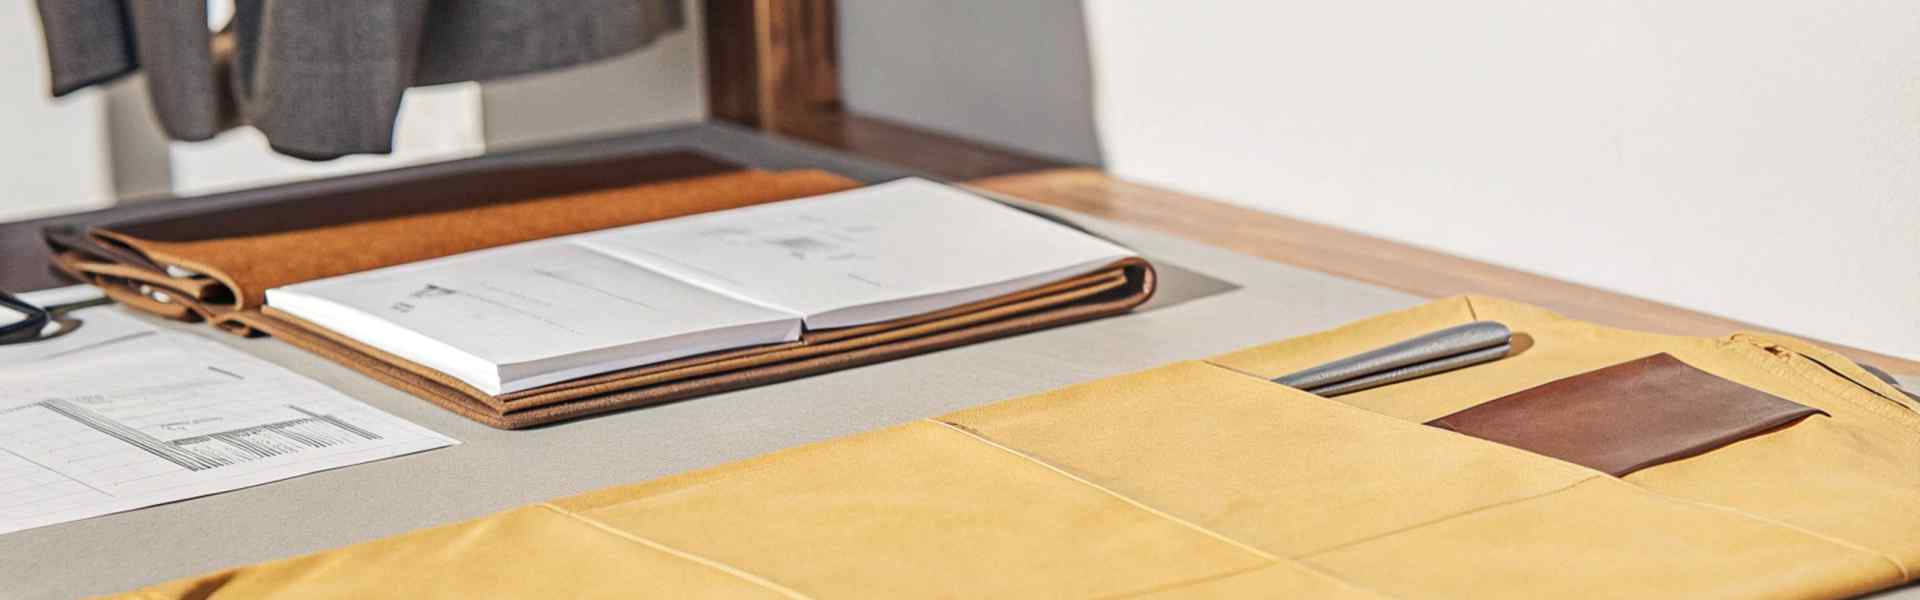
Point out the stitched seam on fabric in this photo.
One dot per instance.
(1306, 556)
(1901, 416)
(737, 572)
(1210, 362)
(1184, 583)
(1342, 580)
(1763, 360)
(1528, 454)
(1897, 399)
(734, 469)
(1759, 356)
(1763, 341)
(1899, 568)
(1191, 581)
(1103, 489)
(1877, 406)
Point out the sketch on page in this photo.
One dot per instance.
(800, 237)
(516, 317)
(180, 417)
(848, 258)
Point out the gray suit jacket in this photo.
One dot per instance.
(323, 78)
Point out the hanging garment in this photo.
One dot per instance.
(323, 78)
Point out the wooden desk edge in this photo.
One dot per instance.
(1366, 258)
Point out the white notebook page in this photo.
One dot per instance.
(882, 252)
(139, 416)
(559, 310)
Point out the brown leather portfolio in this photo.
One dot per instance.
(217, 267)
(223, 260)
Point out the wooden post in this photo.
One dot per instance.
(771, 64)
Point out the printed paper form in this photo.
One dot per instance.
(149, 417)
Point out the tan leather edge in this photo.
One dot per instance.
(194, 287)
(813, 348)
(1056, 316)
(138, 301)
(381, 371)
(81, 240)
(127, 292)
(713, 362)
(1111, 275)
(467, 402)
(233, 289)
(245, 299)
(68, 262)
(179, 308)
(220, 297)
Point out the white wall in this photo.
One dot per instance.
(1008, 72)
(435, 123)
(1757, 159)
(664, 83)
(53, 156)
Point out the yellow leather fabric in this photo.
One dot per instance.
(1201, 479)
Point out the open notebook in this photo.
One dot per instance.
(522, 316)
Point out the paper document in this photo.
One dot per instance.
(521, 316)
(133, 416)
(882, 252)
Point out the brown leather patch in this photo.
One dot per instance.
(1629, 416)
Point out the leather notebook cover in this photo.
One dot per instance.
(384, 195)
(243, 253)
(1114, 290)
(1629, 416)
(296, 241)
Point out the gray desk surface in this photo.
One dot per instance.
(1211, 301)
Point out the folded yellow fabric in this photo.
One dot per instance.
(1201, 479)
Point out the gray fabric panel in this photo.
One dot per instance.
(490, 39)
(174, 48)
(87, 42)
(324, 78)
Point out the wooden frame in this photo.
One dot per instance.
(771, 64)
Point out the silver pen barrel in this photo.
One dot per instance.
(1468, 344)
